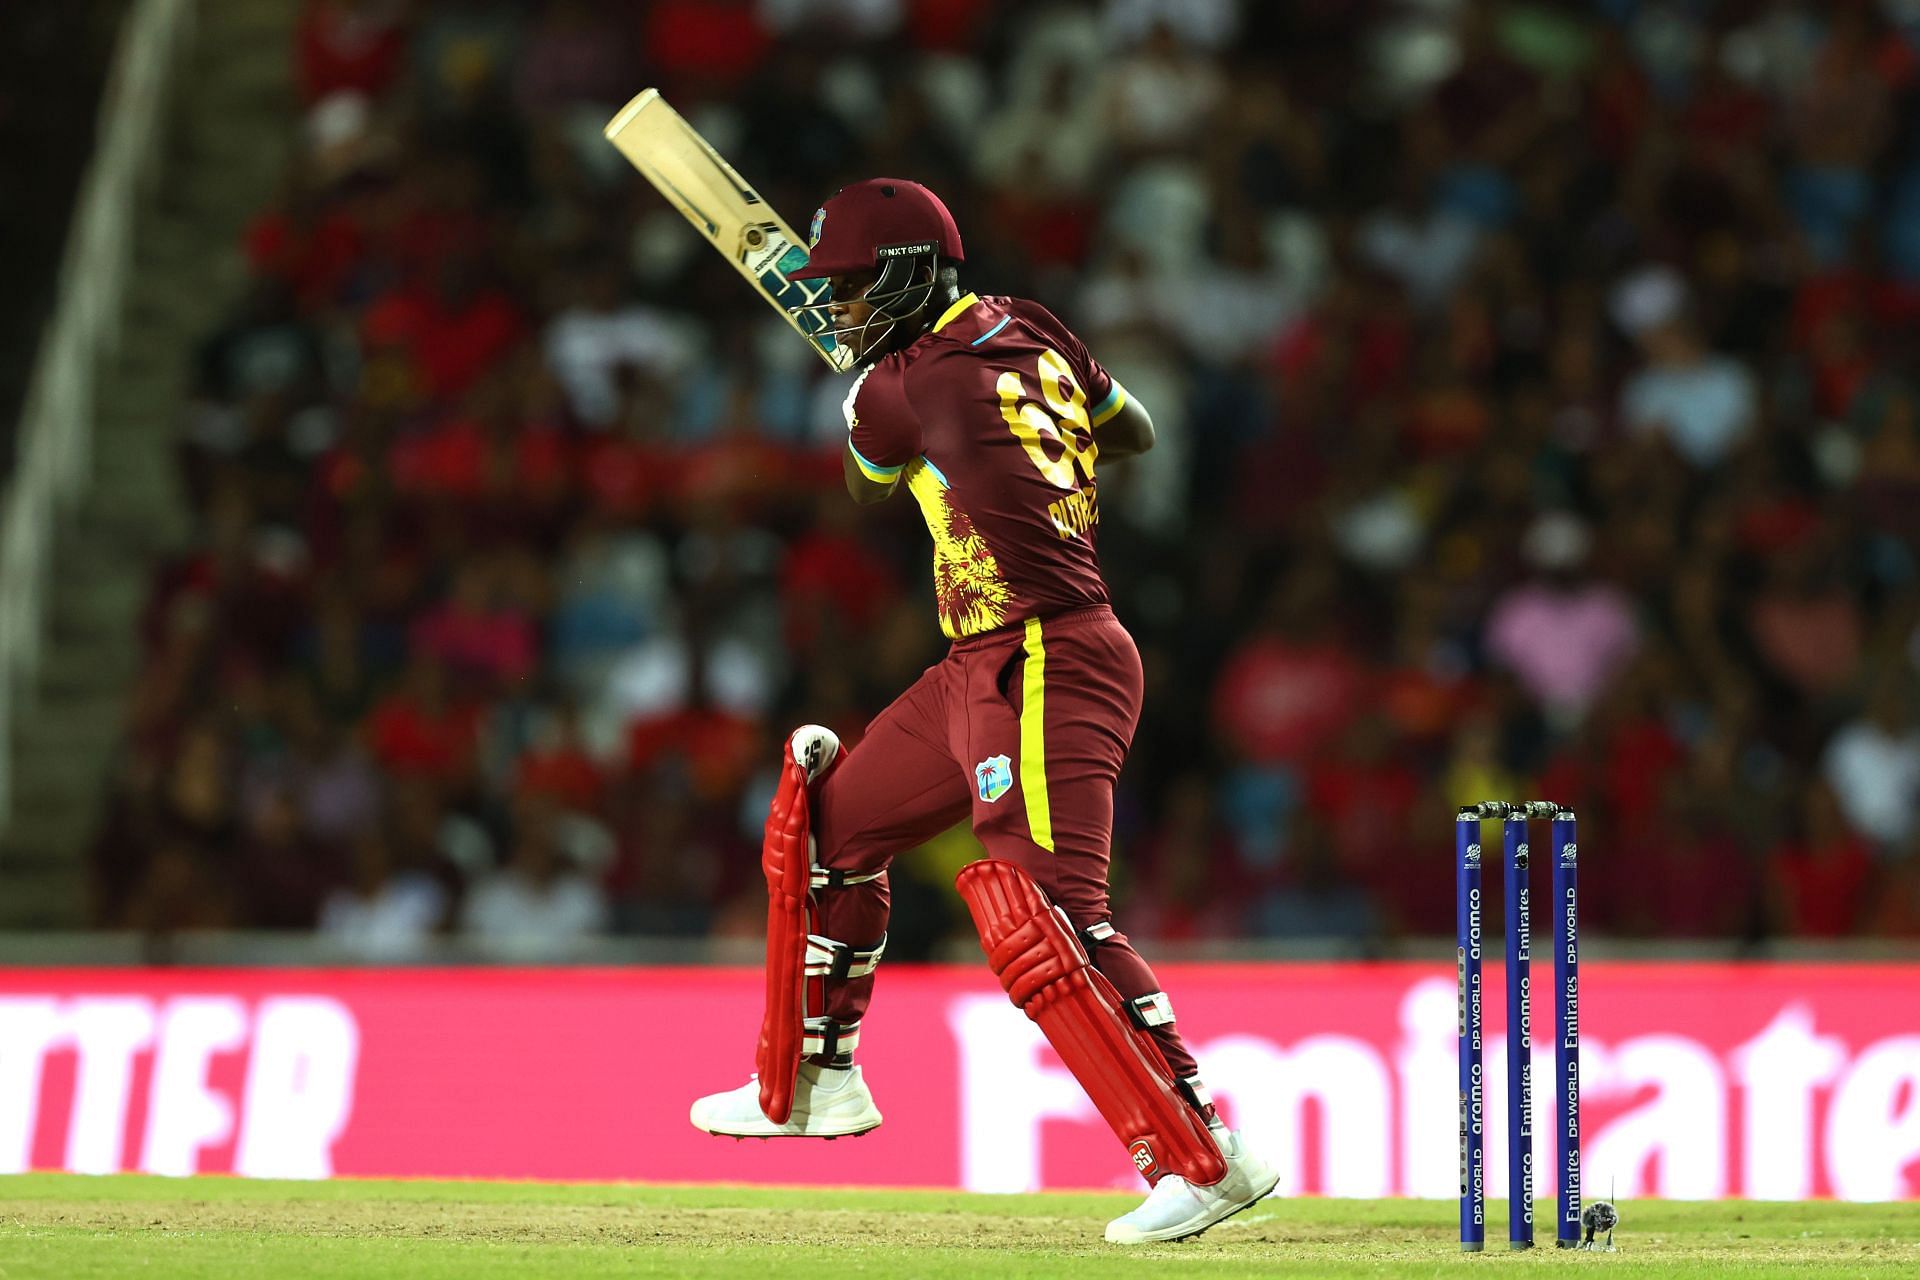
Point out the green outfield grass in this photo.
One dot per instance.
(73, 1228)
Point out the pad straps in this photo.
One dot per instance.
(826, 1038)
(837, 961)
(822, 878)
(1151, 1010)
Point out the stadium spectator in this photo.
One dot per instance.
(1873, 765)
(1821, 879)
(382, 915)
(1565, 637)
(536, 907)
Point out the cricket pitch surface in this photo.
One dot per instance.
(71, 1227)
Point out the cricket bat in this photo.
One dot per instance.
(721, 206)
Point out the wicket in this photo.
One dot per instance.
(1469, 903)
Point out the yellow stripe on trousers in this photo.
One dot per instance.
(1033, 738)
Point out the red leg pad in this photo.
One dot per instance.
(1044, 969)
(785, 859)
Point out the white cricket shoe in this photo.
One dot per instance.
(826, 1104)
(1176, 1208)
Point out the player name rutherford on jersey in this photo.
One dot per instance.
(989, 419)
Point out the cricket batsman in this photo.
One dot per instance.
(992, 415)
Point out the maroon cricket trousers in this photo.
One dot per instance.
(1024, 729)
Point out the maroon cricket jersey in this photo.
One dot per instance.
(989, 418)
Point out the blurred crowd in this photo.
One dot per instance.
(1538, 389)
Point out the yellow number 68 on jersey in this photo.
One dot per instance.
(1063, 422)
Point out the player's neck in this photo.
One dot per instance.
(919, 326)
(939, 302)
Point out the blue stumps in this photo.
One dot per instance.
(1566, 1025)
(1519, 936)
(1472, 1026)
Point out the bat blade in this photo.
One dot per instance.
(724, 207)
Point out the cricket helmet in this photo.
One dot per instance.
(863, 226)
(895, 229)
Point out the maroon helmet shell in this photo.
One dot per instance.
(858, 222)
